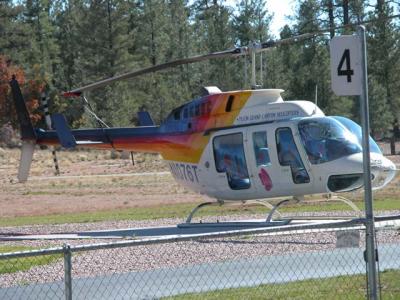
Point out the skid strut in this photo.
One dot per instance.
(267, 222)
(194, 210)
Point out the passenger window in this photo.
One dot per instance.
(261, 151)
(185, 113)
(229, 103)
(197, 108)
(288, 155)
(203, 109)
(230, 159)
(177, 114)
(209, 107)
(191, 111)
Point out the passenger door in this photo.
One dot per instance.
(230, 159)
(293, 173)
(259, 160)
(230, 165)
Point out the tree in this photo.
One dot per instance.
(383, 61)
(212, 26)
(67, 18)
(104, 40)
(251, 25)
(14, 38)
(43, 45)
(30, 89)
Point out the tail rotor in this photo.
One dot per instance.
(45, 105)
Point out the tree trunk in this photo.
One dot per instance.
(345, 12)
(331, 19)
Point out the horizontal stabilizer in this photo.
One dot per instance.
(88, 143)
(67, 140)
(145, 119)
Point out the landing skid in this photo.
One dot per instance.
(267, 223)
(357, 213)
(235, 225)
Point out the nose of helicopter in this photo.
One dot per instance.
(383, 171)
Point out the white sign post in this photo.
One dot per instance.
(349, 78)
(346, 69)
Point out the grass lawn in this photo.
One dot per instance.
(182, 211)
(22, 264)
(342, 287)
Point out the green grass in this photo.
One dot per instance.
(182, 210)
(342, 287)
(22, 264)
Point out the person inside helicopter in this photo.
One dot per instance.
(230, 159)
(261, 151)
(288, 155)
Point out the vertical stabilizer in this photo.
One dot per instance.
(28, 134)
(27, 131)
(27, 150)
(145, 119)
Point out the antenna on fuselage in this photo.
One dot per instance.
(316, 99)
(316, 95)
(261, 70)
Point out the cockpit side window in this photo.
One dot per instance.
(288, 155)
(230, 159)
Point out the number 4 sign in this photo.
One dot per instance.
(346, 65)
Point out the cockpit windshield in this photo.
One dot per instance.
(326, 139)
(356, 130)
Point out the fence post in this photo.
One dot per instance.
(370, 249)
(67, 271)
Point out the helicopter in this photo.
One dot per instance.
(242, 145)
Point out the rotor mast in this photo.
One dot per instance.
(253, 48)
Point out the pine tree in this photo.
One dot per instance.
(13, 33)
(214, 31)
(43, 46)
(251, 25)
(384, 63)
(103, 43)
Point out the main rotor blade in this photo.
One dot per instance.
(183, 61)
(222, 54)
(274, 43)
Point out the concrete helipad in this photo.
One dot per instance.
(199, 228)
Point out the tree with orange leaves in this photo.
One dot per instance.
(31, 90)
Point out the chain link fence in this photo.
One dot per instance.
(313, 262)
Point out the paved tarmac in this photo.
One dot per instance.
(170, 231)
(213, 276)
(179, 231)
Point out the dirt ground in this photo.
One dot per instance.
(84, 187)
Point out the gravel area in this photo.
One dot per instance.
(140, 258)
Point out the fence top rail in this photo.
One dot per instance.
(31, 253)
(387, 218)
